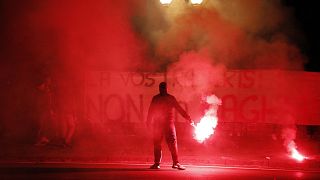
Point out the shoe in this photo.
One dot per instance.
(42, 142)
(66, 145)
(178, 166)
(155, 166)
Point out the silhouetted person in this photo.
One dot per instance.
(46, 111)
(161, 115)
(67, 111)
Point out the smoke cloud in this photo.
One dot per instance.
(196, 44)
(238, 34)
(61, 40)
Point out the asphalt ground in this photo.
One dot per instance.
(221, 151)
(267, 157)
(58, 170)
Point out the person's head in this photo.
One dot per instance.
(163, 88)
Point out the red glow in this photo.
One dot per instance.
(294, 152)
(205, 128)
(296, 155)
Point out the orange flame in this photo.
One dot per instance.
(205, 128)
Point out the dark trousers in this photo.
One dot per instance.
(169, 132)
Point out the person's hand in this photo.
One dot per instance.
(192, 123)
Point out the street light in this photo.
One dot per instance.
(165, 2)
(195, 2)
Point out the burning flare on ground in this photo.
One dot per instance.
(206, 127)
(288, 135)
(294, 152)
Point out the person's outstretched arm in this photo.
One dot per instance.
(181, 110)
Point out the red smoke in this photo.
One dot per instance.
(65, 39)
(95, 35)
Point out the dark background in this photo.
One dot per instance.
(307, 14)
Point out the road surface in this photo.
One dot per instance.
(141, 171)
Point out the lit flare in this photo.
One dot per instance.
(206, 127)
(294, 152)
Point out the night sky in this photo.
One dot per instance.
(307, 13)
